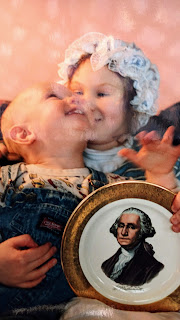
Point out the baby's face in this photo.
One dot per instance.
(55, 114)
(104, 92)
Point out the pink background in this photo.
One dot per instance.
(35, 33)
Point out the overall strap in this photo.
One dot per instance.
(9, 172)
(97, 180)
(9, 177)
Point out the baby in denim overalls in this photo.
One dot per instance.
(49, 129)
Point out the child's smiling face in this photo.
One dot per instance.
(103, 91)
(61, 114)
(51, 113)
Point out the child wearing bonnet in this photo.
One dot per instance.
(121, 87)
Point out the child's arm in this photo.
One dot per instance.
(157, 156)
(24, 268)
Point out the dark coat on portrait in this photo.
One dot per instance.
(142, 268)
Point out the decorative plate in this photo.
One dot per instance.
(117, 268)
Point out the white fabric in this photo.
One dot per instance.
(91, 309)
(107, 160)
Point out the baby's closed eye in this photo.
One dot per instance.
(53, 95)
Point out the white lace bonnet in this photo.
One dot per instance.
(122, 57)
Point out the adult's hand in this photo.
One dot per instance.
(175, 219)
(28, 267)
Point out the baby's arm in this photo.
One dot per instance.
(157, 156)
(24, 268)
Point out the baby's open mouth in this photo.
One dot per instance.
(75, 111)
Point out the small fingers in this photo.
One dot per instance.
(169, 135)
(151, 137)
(146, 138)
(141, 135)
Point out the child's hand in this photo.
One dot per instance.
(175, 219)
(157, 156)
(24, 268)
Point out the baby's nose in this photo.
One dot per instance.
(60, 91)
(77, 100)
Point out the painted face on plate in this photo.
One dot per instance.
(128, 230)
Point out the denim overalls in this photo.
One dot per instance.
(43, 214)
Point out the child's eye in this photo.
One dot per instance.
(102, 94)
(78, 92)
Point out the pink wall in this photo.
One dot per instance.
(35, 33)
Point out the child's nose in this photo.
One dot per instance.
(92, 109)
(91, 105)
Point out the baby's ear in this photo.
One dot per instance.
(22, 135)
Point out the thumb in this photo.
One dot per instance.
(21, 241)
(128, 153)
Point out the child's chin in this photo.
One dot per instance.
(90, 135)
